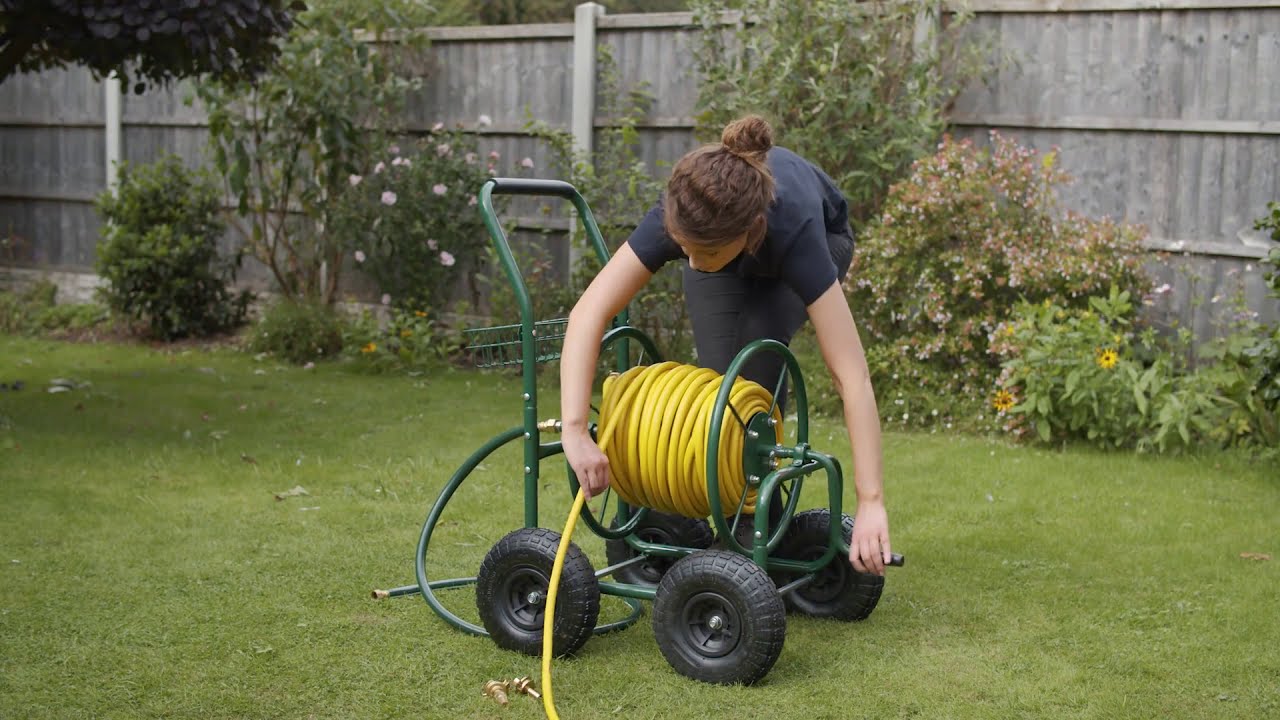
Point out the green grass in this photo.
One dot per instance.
(148, 571)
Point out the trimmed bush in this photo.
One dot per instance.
(159, 255)
(298, 332)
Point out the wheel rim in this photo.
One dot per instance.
(712, 625)
(524, 593)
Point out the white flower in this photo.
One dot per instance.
(388, 198)
(447, 259)
(439, 189)
(484, 121)
(437, 127)
(360, 256)
(432, 244)
(473, 201)
(386, 299)
(443, 150)
(397, 161)
(527, 163)
(354, 180)
(394, 149)
(1163, 289)
(379, 168)
(471, 158)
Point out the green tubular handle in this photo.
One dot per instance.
(526, 186)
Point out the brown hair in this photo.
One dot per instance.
(719, 191)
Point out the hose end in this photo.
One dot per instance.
(380, 594)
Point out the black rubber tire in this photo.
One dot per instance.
(721, 583)
(520, 564)
(662, 528)
(838, 591)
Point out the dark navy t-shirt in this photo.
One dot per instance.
(807, 207)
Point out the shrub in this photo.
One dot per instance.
(411, 218)
(963, 240)
(1087, 374)
(408, 340)
(849, 85)
(159, 257)
(287, 141)
(298, 332)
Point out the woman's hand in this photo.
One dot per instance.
(869, 548)
(589, 463)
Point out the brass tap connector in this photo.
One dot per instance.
(525, 685)
(497, 689)
(380, 594)
(550, 425)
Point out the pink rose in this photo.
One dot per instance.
(388, 198)
(446, 259)
(439, 189)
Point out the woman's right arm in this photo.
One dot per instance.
(610, 291)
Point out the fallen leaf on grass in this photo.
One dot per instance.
(295, 492)
(1255, 556)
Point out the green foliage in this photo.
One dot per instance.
(961, 241)
(409, 340)
(412, 220)
(159, 255)
(1086, 374)
(620, 189)
(152, 41)
(288, 142)
(298, 332)
(1271, 223)
(847, 85)
(508, 12)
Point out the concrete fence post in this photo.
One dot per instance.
(582, 118)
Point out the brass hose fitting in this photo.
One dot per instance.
(497, 689)
(380, 594)
(525, 685)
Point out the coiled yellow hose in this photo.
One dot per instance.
(656, 421)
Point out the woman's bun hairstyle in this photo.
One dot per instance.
(749, 136)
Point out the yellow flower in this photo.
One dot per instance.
(371, 347)
(406, 333)
(1116, 339)
(1008, 330)
(419, 313)
(1107, 358)
(1003, 401)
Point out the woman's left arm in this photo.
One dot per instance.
(842, 351)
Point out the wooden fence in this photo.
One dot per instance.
(1166, 111)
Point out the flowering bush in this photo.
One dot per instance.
(1086, 374)
(411, 219)
(968, 235)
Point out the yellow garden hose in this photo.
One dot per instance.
(656, 421)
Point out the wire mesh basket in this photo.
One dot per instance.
(503, 345)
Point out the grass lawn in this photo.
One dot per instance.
(146, 569)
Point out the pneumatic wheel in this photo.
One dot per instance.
(837, 591)
(662, 529)
(718, 618)
(511, 593)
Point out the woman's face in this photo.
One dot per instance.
(711, 258)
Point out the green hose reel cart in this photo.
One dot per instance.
(720, 584)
